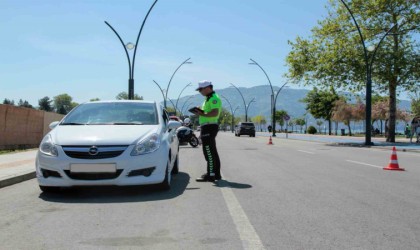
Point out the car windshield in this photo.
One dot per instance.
(113, 113)
(248, 124)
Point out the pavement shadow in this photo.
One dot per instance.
(115, 194)
(228, 184)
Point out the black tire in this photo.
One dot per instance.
(175, 169)
(47, 189)
(166, 183)
(194, 142)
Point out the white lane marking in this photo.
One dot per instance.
(306, 152)
(366, 164)
(249, 237)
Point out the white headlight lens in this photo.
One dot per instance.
(148, 145)
(47, 147)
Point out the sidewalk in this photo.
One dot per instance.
(17, 167)
(401, 143)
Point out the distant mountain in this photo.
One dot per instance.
(288, 99)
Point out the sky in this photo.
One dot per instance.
(52, 47)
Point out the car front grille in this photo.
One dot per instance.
(93, 152)
(93, 176)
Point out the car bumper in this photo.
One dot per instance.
(247, 132)
(125, 164)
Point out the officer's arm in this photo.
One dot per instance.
(212, 113)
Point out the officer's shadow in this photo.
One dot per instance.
(228, 184)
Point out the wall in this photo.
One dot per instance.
(23, 127)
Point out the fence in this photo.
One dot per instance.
(22, 128)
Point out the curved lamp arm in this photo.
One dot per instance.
(126, 52)
(138, 36)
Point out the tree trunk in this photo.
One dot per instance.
(349, 128)
(393, 88)
(329, 127)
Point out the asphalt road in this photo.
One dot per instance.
(290, 195)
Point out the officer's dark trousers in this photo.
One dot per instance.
(208, 138)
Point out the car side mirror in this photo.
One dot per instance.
(173, 125)
(53, 124)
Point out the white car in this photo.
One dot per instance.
(109, 143)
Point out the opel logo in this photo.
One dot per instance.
(93, 150)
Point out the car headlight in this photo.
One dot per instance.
(147, 145)
(47, 147)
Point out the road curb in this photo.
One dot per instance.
(17, 179)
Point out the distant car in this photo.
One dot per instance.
(245, 128)
(109, 143)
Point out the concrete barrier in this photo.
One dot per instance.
(22, 128)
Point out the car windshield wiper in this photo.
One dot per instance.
(127, 123)
(72, 123)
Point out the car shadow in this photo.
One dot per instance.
(228, 184)
(116, 194)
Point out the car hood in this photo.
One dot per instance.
(100, 134)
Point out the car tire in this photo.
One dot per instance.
(166, 183)
(47, 189)
(175, 169)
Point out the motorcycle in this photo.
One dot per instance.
(186, 135)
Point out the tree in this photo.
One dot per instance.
(320, 104)
(45, 104)
(300, 122)
(415, 103)
(319, 123)
(333, 55)
(24, 104)
(292, 124)
(124, 96)
(259, 120)
(225, 118)
(280, 114)
(63, 103)
(343, 112)
(94, 99)
(9, 102)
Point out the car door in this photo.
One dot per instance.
(170, 136)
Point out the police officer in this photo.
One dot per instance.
(208, 119)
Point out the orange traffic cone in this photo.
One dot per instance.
(270, 142)
(393, 163)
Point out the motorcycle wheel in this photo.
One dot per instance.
(194, 142)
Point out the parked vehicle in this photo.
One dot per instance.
(186, 134)
(109, 143)
(245, 128)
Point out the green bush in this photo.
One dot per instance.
(311, 130)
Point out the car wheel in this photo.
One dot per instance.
(175, 169)
(47, 189)
(166, 183)
(194, 142)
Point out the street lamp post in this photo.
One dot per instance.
(274, 107)
(176, 103)
(273, 120)
(163, 94)
(368, 64)
(170, 80)
(182, 108)
(247, 107)
(243, 99)
(231, 111)
(131, 46)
